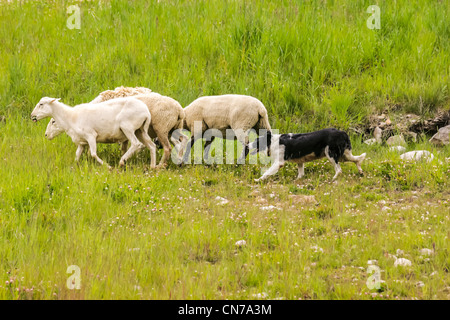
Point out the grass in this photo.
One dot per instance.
(146, 234)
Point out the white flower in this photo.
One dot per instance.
(317, 249)
(221, 200)
(261, 295)
(402, 262)
(241, 243)
(270, 208)
(426, 252)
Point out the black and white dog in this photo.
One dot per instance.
(304, 147)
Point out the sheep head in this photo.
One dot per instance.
(53, 129)
(43, 109)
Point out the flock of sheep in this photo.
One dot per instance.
(136, 115)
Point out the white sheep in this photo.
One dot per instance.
(120, 92)
(112, 121)
(237, 112)
(167, 118)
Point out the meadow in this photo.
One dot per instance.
(138, 233)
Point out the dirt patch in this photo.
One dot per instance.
(410, 125)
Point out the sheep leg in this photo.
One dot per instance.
(183, 144)
(147, 141)
(124, 147)
(79, 152)
(175, 143)
(164, 140)
(242, 137)
(189, 147)
(93, 149)
(135, 144)
(207, 147)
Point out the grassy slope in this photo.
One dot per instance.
(139, 234)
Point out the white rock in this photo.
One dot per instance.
(402, 262)
(426, 252)
(270, 208)
(396, 141)
(400, 252)
(377, 134)
(221, 200)
(241, 243)
(370, 141)
(317, 249)
(417, 155)
(442, 137)
(372, 262)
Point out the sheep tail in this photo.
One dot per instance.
(264, 120)
(180, 124)
(146, 123)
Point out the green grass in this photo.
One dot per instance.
(310, 62)
(146, 234)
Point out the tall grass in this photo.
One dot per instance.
(312, 63)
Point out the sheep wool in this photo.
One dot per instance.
(240, 113)
(167, 116)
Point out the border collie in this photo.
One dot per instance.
(305, 147)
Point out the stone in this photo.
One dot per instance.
(442, 137)
(396, 141)
(417, 155)
(370, 141)
(377, 134)
(426, 252)
(402, 262)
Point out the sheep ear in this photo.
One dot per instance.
(56, 99)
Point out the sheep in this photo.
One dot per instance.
(237, 112)
(53, 130)
(167, 118)
(112, 121)
(120, 92)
